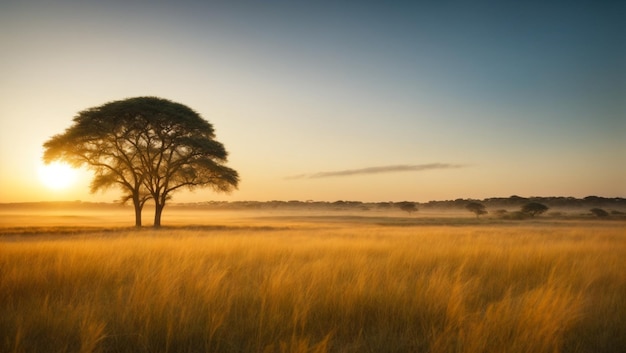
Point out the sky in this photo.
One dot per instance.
(335, 100)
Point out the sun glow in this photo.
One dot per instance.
(57, 175)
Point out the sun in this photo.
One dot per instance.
(57, 175)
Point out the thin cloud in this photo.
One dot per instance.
(378, 170)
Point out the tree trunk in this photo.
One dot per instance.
(158, 210)
(138, 208)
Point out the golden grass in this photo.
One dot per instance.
(336, 288)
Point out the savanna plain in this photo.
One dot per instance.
(262, 281)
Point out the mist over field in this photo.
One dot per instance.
(213, 212)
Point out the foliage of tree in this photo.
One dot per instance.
(477, 208)
(147, 146)
(534, 208)
(408, 206)
(598, 212)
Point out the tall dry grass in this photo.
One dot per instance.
(333, 289)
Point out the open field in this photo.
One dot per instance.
(298, 282)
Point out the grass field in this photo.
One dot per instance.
(311, 283)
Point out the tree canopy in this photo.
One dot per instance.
(534, 208)
(477, 208)
(147, 146)
(408, 206)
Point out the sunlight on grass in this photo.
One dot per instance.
(335, 289)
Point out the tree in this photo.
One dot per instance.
(598, 212)
(476, 208)
(408, 206)
(534, 208)
(149, 147)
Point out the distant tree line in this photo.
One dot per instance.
(518, 201)
(510, 208)
(511, 203)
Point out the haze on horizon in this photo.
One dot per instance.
(335, 100)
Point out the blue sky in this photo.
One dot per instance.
(522, 98)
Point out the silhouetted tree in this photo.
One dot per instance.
(598, 212)
(149, 147)
(534, 208)
(408, 206)
(477, 208)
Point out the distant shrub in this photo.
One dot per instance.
(598, 212)
(555, 214)
(407, 206)
(477, 208)
(534, 208)
(618, 213)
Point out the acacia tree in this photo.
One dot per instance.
(476, 208)
(408, 206)
(149, 147)
(534, 208)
